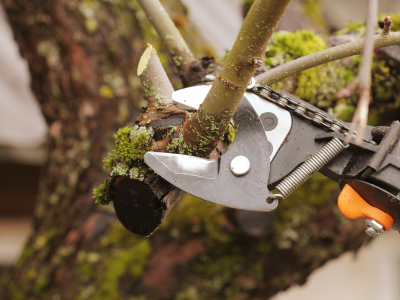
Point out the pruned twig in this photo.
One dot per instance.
(158, 91)
(169, 34)
(322, 57)
(155, 82)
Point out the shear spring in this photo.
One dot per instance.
(310, 167)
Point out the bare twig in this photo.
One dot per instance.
(387, 25)
(322, 57)
(169, 34)
(364, 74)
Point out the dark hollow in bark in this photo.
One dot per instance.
(198, 70)
(162, 126)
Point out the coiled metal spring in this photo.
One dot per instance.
(311, 166)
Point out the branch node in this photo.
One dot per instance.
(387, 25)
(229, 84)
(257, 62)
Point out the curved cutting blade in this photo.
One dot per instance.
(212, 180)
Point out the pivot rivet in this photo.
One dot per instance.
(240, 165)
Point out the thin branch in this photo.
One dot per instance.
(169, 34)
(206, 128)
(322, 57)
(364, 74)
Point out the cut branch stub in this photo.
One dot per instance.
(169, 34)
(155, 82)
(142, 206)
(198, 70)
(158, 90)
(206, 128)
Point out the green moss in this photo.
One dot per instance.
(131, 144)
(102, 193)
(294, 44)
(320, 85)
(357, 27)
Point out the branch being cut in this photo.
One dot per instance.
(206, 128)
(169, 34)
(322, 57)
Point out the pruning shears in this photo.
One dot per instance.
(280, 142)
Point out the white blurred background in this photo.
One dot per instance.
(373, 273)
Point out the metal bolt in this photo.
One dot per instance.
(372, 227)
(240, 165)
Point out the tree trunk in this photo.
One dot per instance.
(82, 58)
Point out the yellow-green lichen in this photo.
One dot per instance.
(230, 134)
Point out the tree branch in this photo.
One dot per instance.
(322, 57)
(169, 34)
(205, 129)
(364, 74)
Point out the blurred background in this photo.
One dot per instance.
(373, 273)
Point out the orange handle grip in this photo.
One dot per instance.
(353, 206)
